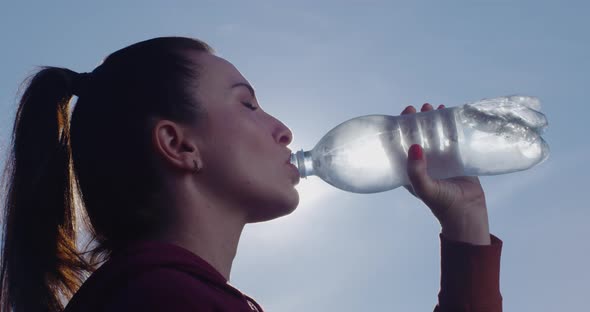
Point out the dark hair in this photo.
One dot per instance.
(105, 158)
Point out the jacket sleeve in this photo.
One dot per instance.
(470, 277)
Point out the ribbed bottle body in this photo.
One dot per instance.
(368, 154)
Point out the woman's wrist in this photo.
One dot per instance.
(471, 227)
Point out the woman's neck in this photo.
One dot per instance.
(209, 230)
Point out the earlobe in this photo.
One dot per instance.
(198, 166)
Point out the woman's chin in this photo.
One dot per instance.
(276, 209)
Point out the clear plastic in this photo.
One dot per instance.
(368, 154)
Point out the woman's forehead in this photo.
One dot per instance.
(219, 71)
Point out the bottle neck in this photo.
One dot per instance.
(303, 161)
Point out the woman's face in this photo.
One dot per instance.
(243, 149)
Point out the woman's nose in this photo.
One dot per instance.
(282, 134)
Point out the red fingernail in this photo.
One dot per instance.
(415, 152)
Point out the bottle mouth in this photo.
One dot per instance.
(302, 160)
(293, 160)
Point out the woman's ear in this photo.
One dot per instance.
(176, 145)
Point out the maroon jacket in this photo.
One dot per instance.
(156, 276)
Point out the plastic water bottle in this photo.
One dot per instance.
(368, 154)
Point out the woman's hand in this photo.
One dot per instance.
(458, 203)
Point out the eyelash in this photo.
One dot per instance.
(250, 106)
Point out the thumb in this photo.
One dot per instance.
(424, 186)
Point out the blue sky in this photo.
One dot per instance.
(317, 63)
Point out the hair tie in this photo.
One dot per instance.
(80, 83)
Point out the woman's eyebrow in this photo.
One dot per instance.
(242, 84)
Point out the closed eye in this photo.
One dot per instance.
(250, 106)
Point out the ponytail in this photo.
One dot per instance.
(40, 266)
(122, 193)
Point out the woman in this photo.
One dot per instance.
(170, 155)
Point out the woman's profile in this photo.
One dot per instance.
(167, 155)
